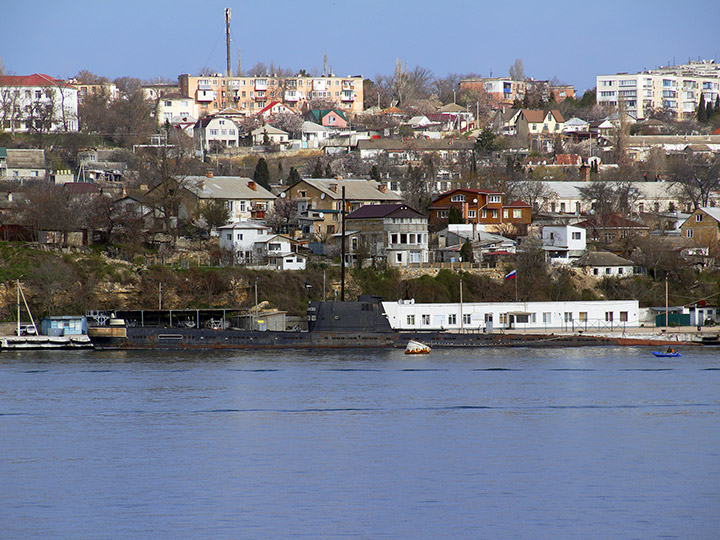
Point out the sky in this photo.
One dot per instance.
(147, 39)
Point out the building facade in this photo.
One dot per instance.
(676, 89)
(480, 207)
(250, 95)
(38, 101)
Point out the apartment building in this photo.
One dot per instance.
(31, 100)
(500, 90)
(675, 88)
(250, 95)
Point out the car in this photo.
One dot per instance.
(26, 330)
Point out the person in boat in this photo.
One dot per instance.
(670, 350)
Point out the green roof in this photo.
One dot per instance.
(3, 152)
(318, 114)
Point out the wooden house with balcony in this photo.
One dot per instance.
(481, 207)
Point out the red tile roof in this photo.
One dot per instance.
(36, 79)
(518, 204)
(383, 210)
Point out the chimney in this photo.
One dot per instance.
(338, 178)
(382, 188)
(333, 187)
(252, 185)
(209, 174)
(201, 185)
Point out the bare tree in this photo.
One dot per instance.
(696, 177)
(517, 71)
(284, 215)
(534, 193)
(290, 122)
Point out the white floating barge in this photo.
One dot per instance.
(11, 343)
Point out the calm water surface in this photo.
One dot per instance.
(508, 443)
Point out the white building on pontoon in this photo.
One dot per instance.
(531, 316)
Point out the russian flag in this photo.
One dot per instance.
(511, 275)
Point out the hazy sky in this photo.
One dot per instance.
(574, 41)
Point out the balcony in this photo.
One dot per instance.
(261, 84)
(348, 85)
(204, 85)
(293, 95)
(206, 96)
(348, 96)
(260, 96)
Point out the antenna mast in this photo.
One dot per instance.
(227, 40)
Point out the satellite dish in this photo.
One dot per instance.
(321, 215)
(322, 195)
(474, 200)
(282, 195)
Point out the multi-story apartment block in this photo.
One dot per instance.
(676, 89)
(500, 90)
(28, 101)
(250, 95)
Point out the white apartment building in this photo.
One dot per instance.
(176, 109)
(563, 244)
(38, 99)
(250, 95)
(479, 316)
(240, 238)
(677, 89)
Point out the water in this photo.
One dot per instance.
(503, 444)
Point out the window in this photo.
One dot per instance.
(583, 316)
(483, 213)
(608, 316)
(576, 236)
(425, 319)
(698, 217)
(568, 316)
(623, 316)
(411, 320)
(517, 213)
(38, 94)
(239, 236)
(398, 257)
(547, 317)
(494, 199)
(472, 213)
(458, 198)
(506, 213)
(607, 271)
(466, 318)
(228, 236)
(452, 318)
(494, 213)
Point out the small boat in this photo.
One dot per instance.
(415, 347)
(673, 354)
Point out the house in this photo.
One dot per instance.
(484, 207)
(400, 151)
(278, 251)
(314, 135)
(100, 165)
(22, 164)
(538, 128)
(485, 245)
(63, 325)
(212, 133)
(273, 109)
(244, 197)
(563, 244)
(604, 264)
(268, 134)
(175, 108)
(329, 118)
(611, 228)
(575, 125)
(499, 90)
(702, 227)
(395, 233)
(322, 197)
(35, 100)
(240, 237)
(505, 121)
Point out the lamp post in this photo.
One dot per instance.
(461, 308)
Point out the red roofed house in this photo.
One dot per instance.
(483, 207)
(394, 232)
(30, 101)
(273, 109)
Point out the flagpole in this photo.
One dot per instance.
(516, 287)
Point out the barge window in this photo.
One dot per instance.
(411, 320)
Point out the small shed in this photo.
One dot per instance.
(64, 325)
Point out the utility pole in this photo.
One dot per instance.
(227, 44)
(342, 255)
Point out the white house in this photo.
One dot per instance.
(176, 109)
(575, 125)
(245, 198)
(563, 244)
(240, 238)
(27, 100)
(314, 135)
(479, 316)
(269, 134)
(605, 264)
(277, 250)
(211, 133)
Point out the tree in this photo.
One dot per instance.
(517, 71)
(293, 176)
(374, 173)
(328, 171)
(701, 113)
(215, 213)
(318, 170)
(410, 85)
(284, 215)
(41, 114)
(262, 173)
(696, 177)
(485, 142)
(455, 216)
(535, 192)
(466, 252)
(290, 122)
